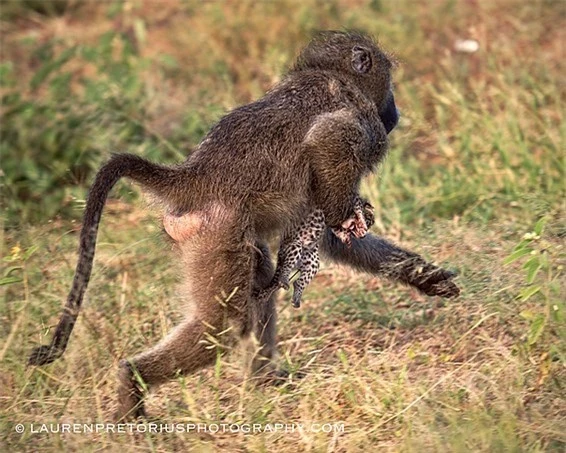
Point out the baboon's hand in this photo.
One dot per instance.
(435, 281)
(355, 225)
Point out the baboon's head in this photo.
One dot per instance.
(360, 57)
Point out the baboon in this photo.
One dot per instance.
(304, 145)
(298, 249)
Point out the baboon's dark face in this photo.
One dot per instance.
(388, 113)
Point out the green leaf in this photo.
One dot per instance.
(90, 54)
(528, 292)
(539, 226)
(521, 245)
(532, 266)
(343, 358)
(527, 314)
(29, 252)
(8, 280)
(105, 45)
(6, 73)
(536, 329)
(516, 255)
(557, 313)
(11, 269)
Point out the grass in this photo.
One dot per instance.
(477, 161)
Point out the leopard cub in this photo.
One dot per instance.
(299, 249)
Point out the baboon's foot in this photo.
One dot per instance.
(278, 376)
(130, 394)
(447, 289)
(43, 355)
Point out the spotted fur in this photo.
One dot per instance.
(299, 249)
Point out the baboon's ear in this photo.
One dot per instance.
(361, 59)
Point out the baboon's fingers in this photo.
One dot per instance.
(360, 232)
(438, 282)
(358, 226)
(348, 224)
(446, 289)
(343, 235)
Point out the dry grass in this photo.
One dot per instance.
(478, 158)
(399, 370)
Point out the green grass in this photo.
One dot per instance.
(477, 160)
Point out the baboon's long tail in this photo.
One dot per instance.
(154, 177)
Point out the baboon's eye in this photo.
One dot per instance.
(361, 59)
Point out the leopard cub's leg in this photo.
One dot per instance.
(309, 266)
(309, 261)
(292, 244)
(288, 256)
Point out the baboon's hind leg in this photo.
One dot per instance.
(183, 352)
(265, 315)
(220, 295)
